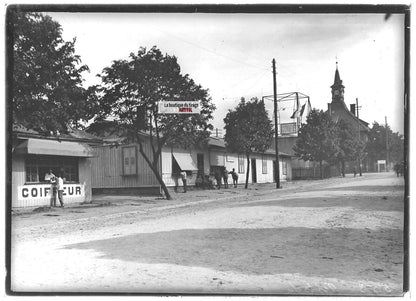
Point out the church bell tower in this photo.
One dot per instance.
(337, 88)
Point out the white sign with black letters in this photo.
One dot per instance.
(44, 191)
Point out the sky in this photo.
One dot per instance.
(231, 55)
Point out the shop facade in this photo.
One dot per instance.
(34, 155)
(121, 169)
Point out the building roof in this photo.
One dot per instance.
(220, 143)
(337, 78)
(341, 105)
(72, 135)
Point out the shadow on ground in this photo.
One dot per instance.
(379, 203)
(342, 253)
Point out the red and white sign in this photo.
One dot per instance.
(179, 107)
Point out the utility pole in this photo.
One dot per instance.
(387, 145)
(277, 172)
(359, 138)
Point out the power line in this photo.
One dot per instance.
(214, 52)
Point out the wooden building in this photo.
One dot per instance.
(120, 168)
(33, 155)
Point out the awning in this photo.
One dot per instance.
(34, 146)
(185, 161)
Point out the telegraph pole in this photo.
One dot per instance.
(277, 172)
(359, 138)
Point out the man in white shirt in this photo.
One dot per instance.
(60, 186)
(50, 177)
(183, 176)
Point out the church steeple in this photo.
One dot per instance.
(337, 87)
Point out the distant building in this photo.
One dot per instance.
(119, 167)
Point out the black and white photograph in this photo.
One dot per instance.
(247, 150)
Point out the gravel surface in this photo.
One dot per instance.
(341, 236)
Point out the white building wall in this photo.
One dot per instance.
(167, 176)
(222, 158)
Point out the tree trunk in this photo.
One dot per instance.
(248, 170)
(320, 170)
(155, 172)
(343, 168)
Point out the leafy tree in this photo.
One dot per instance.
(46, 92)
(130, 92)
(248, 129)
(349, 147)
(317, 139)
(377, 147)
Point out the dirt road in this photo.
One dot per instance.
(341, 236)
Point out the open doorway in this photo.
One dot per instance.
(253, 171)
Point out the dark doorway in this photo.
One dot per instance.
(253, 171)
(200, 164)
(274, 171)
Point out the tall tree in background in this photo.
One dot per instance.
(383, 143)
(46, 87)
(248, 129)
(130, 92)
(317, 139)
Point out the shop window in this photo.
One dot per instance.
(129, 160)
(38, 166)
(32, 174)
(240, 163)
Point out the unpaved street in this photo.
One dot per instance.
(335, 236)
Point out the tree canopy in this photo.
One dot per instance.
(317, 138)
(130, 92)
(248, 129)
(47, 92)
(349, 146)
(381, 140)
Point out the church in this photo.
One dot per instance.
(339, 111)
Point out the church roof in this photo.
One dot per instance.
(337, 78)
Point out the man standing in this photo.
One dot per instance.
(50, 177)
(225, 177)
(60, 186)
(235, 177)
(183, 176)
(218, 177)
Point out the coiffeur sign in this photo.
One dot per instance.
(179, 107)
(44, 191)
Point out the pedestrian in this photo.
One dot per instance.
(183, 176)
(211, 180)
(355, 171)
(60, 187)
(234, 175)
(218, 177)
(199, 181)
(225, 176)
(50, 177)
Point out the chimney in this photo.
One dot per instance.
(352, 108)
(329, 109)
